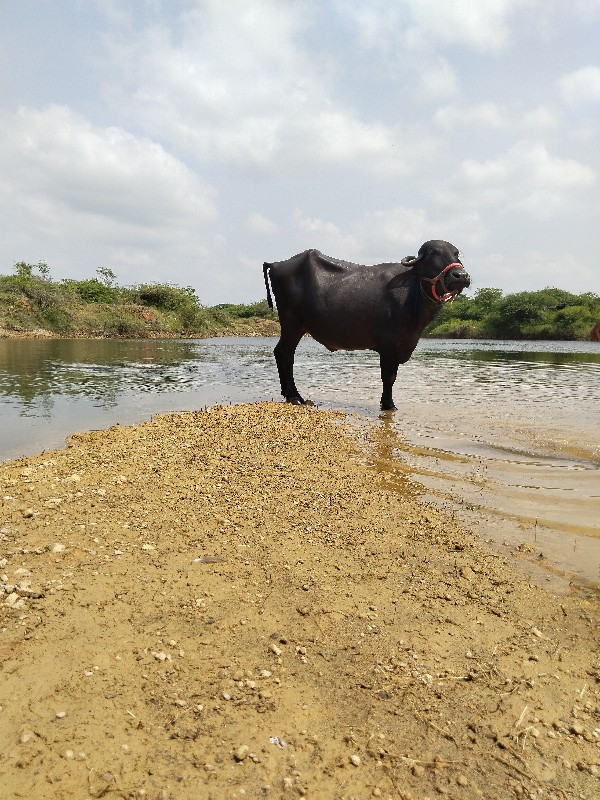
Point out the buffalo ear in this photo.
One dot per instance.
(401, 279)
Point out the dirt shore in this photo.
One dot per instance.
(239, 327)
(236, 603)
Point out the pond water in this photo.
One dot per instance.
(504, 434)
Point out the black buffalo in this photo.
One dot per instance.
(347, 306)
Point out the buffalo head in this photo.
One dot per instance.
(439, 269)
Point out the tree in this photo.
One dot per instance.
(25, 271)
(107, 276)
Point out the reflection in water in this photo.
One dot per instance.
(508, 430)
(30, 369)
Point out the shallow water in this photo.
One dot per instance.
(505, 433)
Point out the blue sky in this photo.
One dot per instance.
(189, 141)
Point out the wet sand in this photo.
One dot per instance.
(234, 603)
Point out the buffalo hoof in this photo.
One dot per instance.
(388, 407)
(296, 400)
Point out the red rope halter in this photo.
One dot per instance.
(446, 294)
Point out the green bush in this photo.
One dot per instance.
(164, 296)
(259, 309)
(92, 290)
(546, 314)
(125, 324)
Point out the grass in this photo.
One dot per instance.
(96, 307)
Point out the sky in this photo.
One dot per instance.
(188, 141)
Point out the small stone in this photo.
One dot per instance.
(161, 655)
(462, 780)
(226, 696)
(69, 754)
(61, 714)
(241, 753)
(355, 760)
(418, 770)
(53, 502)
(180, 703)
(265, 694)
(26, 736)
(14, 601)
(577, 728)
(274, 649)
(376, 791)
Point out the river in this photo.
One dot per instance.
(504, 434)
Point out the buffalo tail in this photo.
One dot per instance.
(266, 268)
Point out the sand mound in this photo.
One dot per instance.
(233, 603)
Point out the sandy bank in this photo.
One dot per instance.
(232, 603)
(240, 327)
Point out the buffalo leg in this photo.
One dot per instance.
(284, 357)
(389, 370)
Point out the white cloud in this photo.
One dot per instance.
(395, 229)
(390, 234)
(103, 172)
(325, 235)
(528, 179)
(101, 192)
(540, 118)
(258, 223)
(482, 26)
(492, 116)
(530, 163)
(581, 87)
(421, 24)
(438, 82)
(239, 87)
(483, 115)
(533, 270)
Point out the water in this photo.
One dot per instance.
(505, 434)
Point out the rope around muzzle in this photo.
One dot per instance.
(447, 294)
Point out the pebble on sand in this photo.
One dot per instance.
(241, 753)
